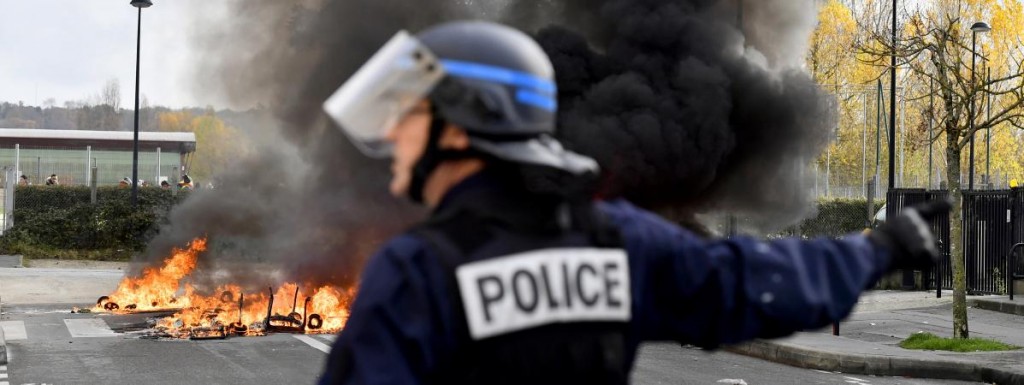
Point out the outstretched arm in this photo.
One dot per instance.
(713, 292)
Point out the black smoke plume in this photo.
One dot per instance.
(682, 110)
(685, 112)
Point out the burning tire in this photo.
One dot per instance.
(111, 306)
(315, 322)
(102, 301)
(238, 328)
(227, 296)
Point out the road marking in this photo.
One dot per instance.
(88, 328)
(314, 343)
(328, 337)
(3, 376)
(14, 330)
(856, 381)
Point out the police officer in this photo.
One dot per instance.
(518, 277)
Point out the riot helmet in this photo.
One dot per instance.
(493, 81)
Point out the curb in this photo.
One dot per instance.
(875, 364)
(1015, 308)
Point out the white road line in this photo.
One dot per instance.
(3, 368)
(3, 376)
(88, 328)
(856, 381)
(314, 343)
(328, 337)
(14, 330)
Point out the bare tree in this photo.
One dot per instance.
(111, 94)
(110, 105)
(939, 48)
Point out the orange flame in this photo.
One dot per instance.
(231, 308)
(157, 287)
(310, 310)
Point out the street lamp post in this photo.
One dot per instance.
(975, 29)
(140, 4)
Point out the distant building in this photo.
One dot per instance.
(71, 153)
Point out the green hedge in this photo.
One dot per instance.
(60, 221)
(836, 217)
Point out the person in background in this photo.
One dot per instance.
(125, 182)
(23, 181)
(186, 183)
(164, 185)
(52, 180)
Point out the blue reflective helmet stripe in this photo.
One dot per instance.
(533, 90)
(499, 75)
(537, 100)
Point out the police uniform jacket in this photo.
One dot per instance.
(415, 313)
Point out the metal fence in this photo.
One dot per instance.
(942, 275)
(73, 165)
(993, 221)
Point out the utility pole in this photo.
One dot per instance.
(988, 132)
(931, 138)
(892, 103)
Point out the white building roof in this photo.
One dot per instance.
(183, 142)
(31, 133)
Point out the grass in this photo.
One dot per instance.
(37, 252)
(928, 341)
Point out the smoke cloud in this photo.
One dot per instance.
(685, 111)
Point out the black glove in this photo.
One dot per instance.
(909, 236)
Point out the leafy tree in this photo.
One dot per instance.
(217, 144)
(937, 48)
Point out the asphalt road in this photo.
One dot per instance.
(49, 345)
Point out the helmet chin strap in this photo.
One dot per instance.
(432, 157)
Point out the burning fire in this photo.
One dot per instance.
(230, 311)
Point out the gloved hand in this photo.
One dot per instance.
(909, 238)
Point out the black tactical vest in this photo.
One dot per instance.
(541, 289)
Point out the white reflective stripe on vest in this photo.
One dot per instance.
(511, 293)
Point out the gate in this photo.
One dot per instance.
(988, 237)
(1015, 264)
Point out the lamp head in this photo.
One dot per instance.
(142, 3)
(980, 27)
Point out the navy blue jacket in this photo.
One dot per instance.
(685, 289)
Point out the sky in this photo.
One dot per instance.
(68, 50)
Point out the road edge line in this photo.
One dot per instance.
(313, 342)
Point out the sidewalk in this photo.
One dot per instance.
(48, 285)
(868, 340)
